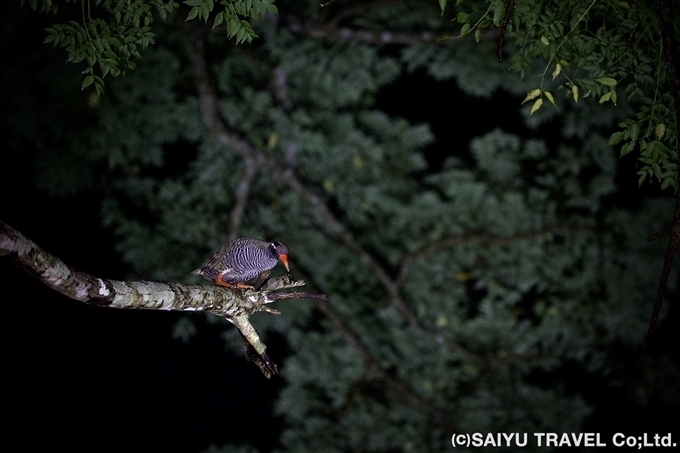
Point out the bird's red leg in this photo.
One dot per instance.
(239, 285)
(220, 282)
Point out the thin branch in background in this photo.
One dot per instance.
(504, 26)
(328, 3)
(393, 381)
(658, 301)
(280, 82)
(482, 239)
(658, 235)
(343, 34)
(672, 60)
(241, 197)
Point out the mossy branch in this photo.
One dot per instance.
(235, 305)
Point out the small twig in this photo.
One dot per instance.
(504, 26)
(298, 295)
(328, 3)
(658, 235)
(658, 301)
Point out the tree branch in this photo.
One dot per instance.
(672, 60)
(504, 26)
(333, 32)
(342, 34)
(235, 306)
(481, 239)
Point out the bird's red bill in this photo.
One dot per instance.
(284, 260)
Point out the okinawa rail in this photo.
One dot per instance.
(241, 260)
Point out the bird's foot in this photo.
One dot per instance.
(239, 285)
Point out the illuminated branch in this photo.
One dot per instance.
(235, 306)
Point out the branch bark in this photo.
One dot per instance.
(234, 305)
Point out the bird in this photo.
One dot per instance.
(241, 260)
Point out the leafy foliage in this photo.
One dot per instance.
(603, 50)
(509, 255)
(511, 250)
(111, 33)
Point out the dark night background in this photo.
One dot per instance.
(79, 378)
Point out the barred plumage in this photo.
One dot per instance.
(241, 260)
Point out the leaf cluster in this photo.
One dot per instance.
(110, 34)
(511, 259)
(234, 14)
(602, 50)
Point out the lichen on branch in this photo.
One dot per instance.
(234, 305)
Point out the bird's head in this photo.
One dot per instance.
(280, 251)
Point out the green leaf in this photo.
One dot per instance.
(642, 177)
(666, 182)
(537, 105)
(627, 148)
(615, 138)
(498, 13)
(660, 130)
(465, 29)
(193, 13)
(442, 5)
(233, 27)
(634, 131)
(204, 12)
(219, 19)
(610, 82)
(87, 81)
(550, 97)
(556, 72)
(533, 94)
